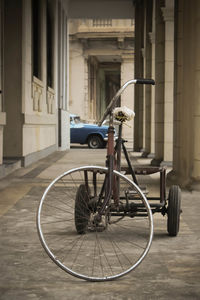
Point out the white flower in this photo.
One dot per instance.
(123, 114)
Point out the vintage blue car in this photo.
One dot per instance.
(91, 134)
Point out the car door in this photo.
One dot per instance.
(77, 133)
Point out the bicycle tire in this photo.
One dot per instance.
(100, 253)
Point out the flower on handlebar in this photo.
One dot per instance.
(123, 114)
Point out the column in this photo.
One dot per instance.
(159, 88)
(2, 114)
(195, 174)
(168, 15)
(138, 107)
(186, 152)
(12, 88)
(153, 54)
(152, 124)
(147, 74)
(127, 97)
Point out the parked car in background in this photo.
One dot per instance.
(91, 134)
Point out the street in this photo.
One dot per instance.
(170, 270)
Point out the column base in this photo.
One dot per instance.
(188, 184)
(166, 163)
(173, 177)
(9, 166)
(151, 155)
(195, 186)
(156, 162)
(145, 154)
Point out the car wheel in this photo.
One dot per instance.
(95, 142)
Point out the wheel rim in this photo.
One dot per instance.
(94, 142)
(112, 250)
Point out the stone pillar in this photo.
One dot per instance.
(127, 97)
(168, 15)
(2, 114)
(153, 53)
(159, 88)
(139, 33)
(147, 74)
(142, 105)
(152, 125)
(195, 164)
(12, 90)
(186, 163)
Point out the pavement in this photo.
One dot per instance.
(170, 270)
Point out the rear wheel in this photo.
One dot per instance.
(95, 142)
(82, 211)
(174, 210)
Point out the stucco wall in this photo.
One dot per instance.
(37, 138)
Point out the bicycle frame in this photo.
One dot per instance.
(112, 185)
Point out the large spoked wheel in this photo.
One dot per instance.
(174, 210)
(76, 242)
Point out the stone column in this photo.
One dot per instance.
(2, 114)
(186, 162)
(127, 97)
(159, 88)
(12, 89)
(147, 74)
(153, 53)
(139, 35)
(168, 15)
(195, 174)
(152, 125)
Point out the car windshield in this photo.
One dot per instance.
(75, 119)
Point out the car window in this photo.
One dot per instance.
(77, 120)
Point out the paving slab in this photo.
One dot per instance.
(170, 270)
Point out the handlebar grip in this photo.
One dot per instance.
(145, 81)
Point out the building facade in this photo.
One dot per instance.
(34, 118)
(34, 78)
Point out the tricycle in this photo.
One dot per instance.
(96, 223)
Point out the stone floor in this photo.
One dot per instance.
(170, 270)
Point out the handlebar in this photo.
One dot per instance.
(118, 94)
(145, 81)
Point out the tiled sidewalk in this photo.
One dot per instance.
(170, 270)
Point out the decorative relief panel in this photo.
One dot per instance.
(50, 101)
(37, 94)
